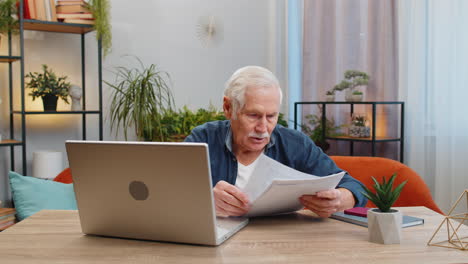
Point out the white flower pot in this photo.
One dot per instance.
(384, 228)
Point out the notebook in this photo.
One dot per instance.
(147, 190)
(362, 221)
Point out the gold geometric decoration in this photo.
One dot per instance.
(456, 225)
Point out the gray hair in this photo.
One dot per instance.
(245, 77)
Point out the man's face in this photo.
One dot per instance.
(256, 120)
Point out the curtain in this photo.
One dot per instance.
(341, 35)
(433, 83)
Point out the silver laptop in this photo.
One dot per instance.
(147, 190)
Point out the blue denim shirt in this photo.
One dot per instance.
(290, 147)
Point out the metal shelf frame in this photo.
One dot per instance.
(60, 28)
(373, 139)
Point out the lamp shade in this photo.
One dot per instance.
(47, 164)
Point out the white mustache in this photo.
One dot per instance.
(257, 135)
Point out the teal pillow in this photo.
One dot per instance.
(31, 195)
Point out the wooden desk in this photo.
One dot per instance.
(55, 237)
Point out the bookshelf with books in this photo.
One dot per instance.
(66, 11)
(17, 136)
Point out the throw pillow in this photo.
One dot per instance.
(31, 195)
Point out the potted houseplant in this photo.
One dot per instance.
(384, 223)
(8, 21)
(353, 79)
(359, 127)
(140, 98)
(357, 96)
(49, 87)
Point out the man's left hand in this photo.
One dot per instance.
(325, 203)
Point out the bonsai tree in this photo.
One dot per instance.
(7, 21)
(353, 78)
(384, 196)
(141, 98)
(48, 86)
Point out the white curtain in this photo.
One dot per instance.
(433, 70)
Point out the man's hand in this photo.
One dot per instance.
(229, 200)
(325, 203)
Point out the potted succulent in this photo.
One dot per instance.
(353, 79)
(141, 98)
(359, 127)
(357, 96)
(49, 87)
(384, 223)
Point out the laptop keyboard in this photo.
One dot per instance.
(226, 225)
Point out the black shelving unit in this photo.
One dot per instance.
(373, 139)
(46, 26)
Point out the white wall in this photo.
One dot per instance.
(163, 32)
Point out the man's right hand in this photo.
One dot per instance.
(229, 200)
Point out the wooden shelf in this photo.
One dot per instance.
(56, 112)
(48, 26)
(9, 58)
(10, 142)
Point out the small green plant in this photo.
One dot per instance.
(101, 13)
(357, 93)
(384, 197)
(47, 83)
(359, 120)
(313, 127)
(7, 21)
(141, 97)
(353, 78)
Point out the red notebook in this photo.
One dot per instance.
(358, 211)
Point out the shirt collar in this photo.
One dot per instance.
(228, 140)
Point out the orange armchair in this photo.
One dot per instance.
(64, 177)
(415, 192)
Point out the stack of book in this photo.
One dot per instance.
(7, 217)
(39, 9)
(74, 11)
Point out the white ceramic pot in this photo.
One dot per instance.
(384, 228)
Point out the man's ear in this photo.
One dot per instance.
(227, 107)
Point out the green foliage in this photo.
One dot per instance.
(7, 21)
(47, 83)
(177, 125)
(141, 98)
(352, 79)
(359, 120)
(330, 92)
(314, 128)
(384, 197)
(101, 13)
(281, 120)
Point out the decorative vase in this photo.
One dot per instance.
(357, 97)
(359, 131)
(384, 228)
(50, 102)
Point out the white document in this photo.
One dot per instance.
(275, 188)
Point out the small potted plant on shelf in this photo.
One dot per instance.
(359, 127)
(353, 79)
(357, 96)
(49, 87)
(384, 223)
(314, 129)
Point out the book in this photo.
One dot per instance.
(40, 10)
(6, 225)
(79, 21)
(53, 10)
(72, 9)
(7, 211)
(74, 15)
(71, 2)
(7, 218)
(362, 221)
(358, 211)
(26, 9)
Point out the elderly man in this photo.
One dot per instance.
(251, 103)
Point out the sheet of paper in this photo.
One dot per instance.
(275, 188)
